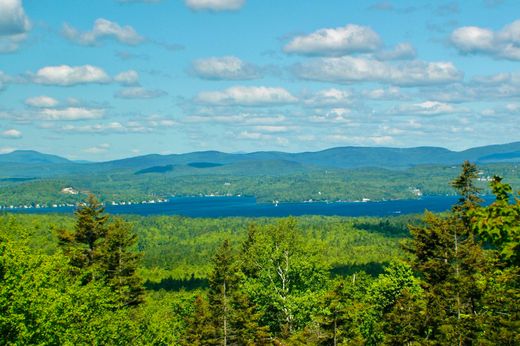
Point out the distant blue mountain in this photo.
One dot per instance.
(31, 157)
(26, 163)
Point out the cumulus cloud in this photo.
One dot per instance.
(335, 41)
(504, 44)
(12, 133)
(479, 88)
(357, 140)
(98, 149)
(14, 25)
(41, 102)
(66, 75)
(426, 108)
(139, 93)
(358, 69)
(224, 68)
(247, 96)
(102, 29)
(402, 51)
(330, 97)
(71, 113)
(264, 137)
(215, 5)
(332, 116)
(272, 128)
(130, 77)
(235, 119)
(391, 93)
(6, 150)
(145, 125)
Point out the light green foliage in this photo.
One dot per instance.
(40, 303)
(283, 274)
(499, 223)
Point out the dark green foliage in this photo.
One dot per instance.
(104, 251)
(82, 245)
(200, 327)
(452, 265)
(120, 262)
(228, 317)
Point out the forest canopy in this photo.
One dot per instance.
(442, 279)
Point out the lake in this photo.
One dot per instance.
(247, 207)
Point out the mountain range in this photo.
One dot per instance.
(28, 163)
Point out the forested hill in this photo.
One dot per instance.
(30, 162)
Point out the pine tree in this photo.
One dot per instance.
(234, 316)
(452, 264)
(499, 226)
(222, 283)
(119, 262)
(100, 250)
(200, 327)
(82, 245)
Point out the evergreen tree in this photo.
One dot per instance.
(82, 245)
(103, 251)
(234, 316)
(120, 261)
(499, 226)
(452, 265)
(222, 283)
(200, 329)
(340, 315)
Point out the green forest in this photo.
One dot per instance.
(433, 279)
(266, 184)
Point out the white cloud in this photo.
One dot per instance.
(103, 28)
(332, 116)
(479, 88)
(247, 96)
(391, 93)
(236, 119)
(253, 135)
(402, 51)
(272, 128)
(129, 77)
(145, 125)
(12, 133)
(330, 97)
(71, 113)
(357, 140)
(227, 67)
(14, 25)
(41, 102)
(6, 150)
(356, 69)
(338, 41)
(215, 5)
(66, 75)
(139, 93)
(426, 108)
(504, 43)
(98, 149)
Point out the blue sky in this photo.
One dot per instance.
(105, 79)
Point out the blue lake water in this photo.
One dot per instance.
(247, 207)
